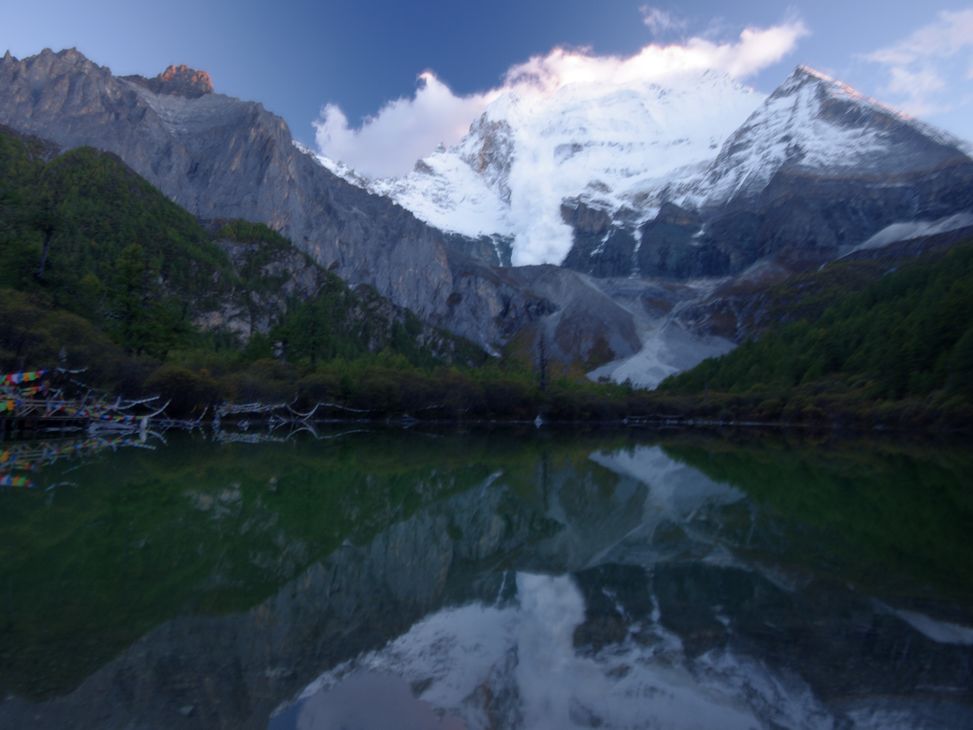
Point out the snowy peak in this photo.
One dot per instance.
(844, 104)
(614, 147)
(804, 75)
(825, 87)
(812, 122)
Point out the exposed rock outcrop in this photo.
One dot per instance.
(178, 80)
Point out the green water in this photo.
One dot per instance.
(194, 582)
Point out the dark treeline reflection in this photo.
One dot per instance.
(202, 582)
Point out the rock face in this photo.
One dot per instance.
(667, 245)
(222, 158)
(588, 324)
(177, 81)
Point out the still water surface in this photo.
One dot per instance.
(505, 579)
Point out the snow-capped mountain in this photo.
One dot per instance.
(817, 124)
(815, 171)
(614, 147)
(701, 177)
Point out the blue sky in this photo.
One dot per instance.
(295, 56)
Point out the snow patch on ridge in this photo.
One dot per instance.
(667, 349)
(907, 230)
(941, 632)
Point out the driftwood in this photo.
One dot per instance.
(320, 404)
(247, 409)
(45, 407)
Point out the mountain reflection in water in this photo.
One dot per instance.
(493, 579)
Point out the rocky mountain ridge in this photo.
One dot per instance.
(221, 158)
(178, 80)
(81, 233)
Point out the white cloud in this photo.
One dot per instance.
(917, 89)
(950, 33)
(919, 65)
(660, 21)
(755, 49)
(407, 129)
(404, 130)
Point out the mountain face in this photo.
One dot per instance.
(645, 184)
(615, 148)
(815, 171)
(221, 158)
(648, 181)
(820, 126)
(81, 233)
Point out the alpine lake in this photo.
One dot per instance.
(369, 578)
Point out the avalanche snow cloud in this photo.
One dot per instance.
(405, 130)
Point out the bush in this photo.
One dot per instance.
(188, 392)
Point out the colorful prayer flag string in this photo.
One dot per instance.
(26, 376)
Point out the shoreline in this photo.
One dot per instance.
(27, 429)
